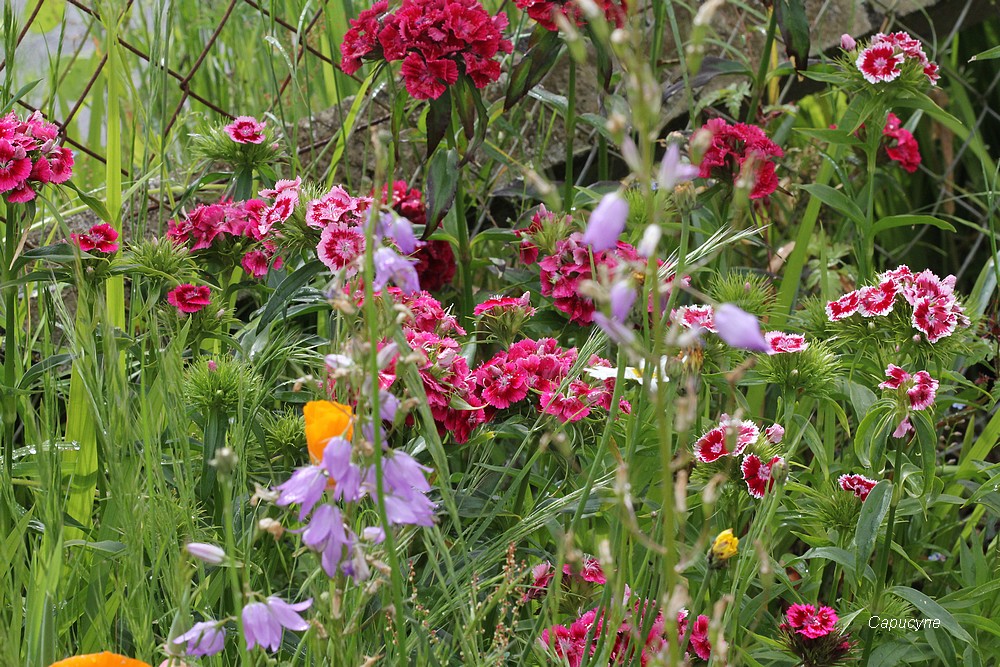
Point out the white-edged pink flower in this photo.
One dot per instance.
(695, 317)
(246, 130)
(339, 245)
(782, 342)
(774, 433)
(859, 485)
(895, 377)
(877, 300)
(758, 475)
(923, 392)
(880, 63)
(843, 307)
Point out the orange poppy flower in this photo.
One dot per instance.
(325, 420)
(104, 659)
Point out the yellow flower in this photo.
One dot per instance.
(325, 420)
(725, 546)
(104, 659)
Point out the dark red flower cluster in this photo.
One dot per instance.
(563, 271)
(30, 157)
(540, 368)
(545, 11)
(905, 150)
(937, 312)
(739, 152)
(102, 238)
(437, 40)
(569, 643)
(246, 226)
(435, 259)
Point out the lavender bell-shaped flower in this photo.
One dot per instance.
(622, 297)
(304, 487)
(673, 171)
(739, 328)
(606, 223)
(204, 638)
(389, 266)
(345, 474)
(263, 621)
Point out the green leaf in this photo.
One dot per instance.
(288, 287)
(830, 136)
(873, 511)
(543, 50)
(932, 610)
(908, 220)
(22, 91)
(39, 369)
(871, 435)
(791, 17)
(442, 180)
(106, 546)
(95, 205)
(988, 54)
(837, 200)
(57, 253)
(438, 121)
(465, 105)
(927, 438)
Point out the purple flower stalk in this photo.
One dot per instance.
(304, 487)
(389, 266)
(606, 223)
(739, 328)
(263, 621)
(205, 638)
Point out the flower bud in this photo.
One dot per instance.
(206, 553)
(725, 546)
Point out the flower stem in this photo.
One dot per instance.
(371, 318)
(883, 557)
(235, 585)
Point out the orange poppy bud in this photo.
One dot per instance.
(325, 420)
(104, 659)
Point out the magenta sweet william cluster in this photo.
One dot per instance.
(811, 633)
(563, 271)
(252, 226)
(541, 367)
(545, 11)
(936, 312)
(101, 237)
(738, 152)
(905, 150)
(569, 643)
(460, 398)
(30, 157)
(437, 41)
